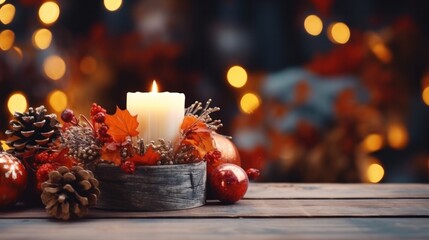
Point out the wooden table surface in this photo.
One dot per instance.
(268, 211)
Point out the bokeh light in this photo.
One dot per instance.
(237, 76)
(425, 95)
(249, 103)
(49, 12)
(313, 25)
(2, 1)
(58, 100)
(112, 5)
(382, 52)
(42, 38)
(7, 13)
(88, 65)
(17, 102)
(54, 67)
(7, 38)
(397, 136)
(375, 173)
(339, 33)
(373, 142)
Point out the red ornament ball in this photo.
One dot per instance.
(228, 183)
(229, 152)
(13, 179)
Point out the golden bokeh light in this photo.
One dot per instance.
(237, 76)
(425, 95)
(7, 13)
(2, 1)
(375, 173)
(49, 12)
(397, 136)
(4, 145)
(17, 102)
(382, 52)
(339, 33)
(112, 5)
(88, 65)
(54, 67)
(313, 25)
(373, 142)
(7, 38)
(42, 38)
(58, 100)
(249, 103)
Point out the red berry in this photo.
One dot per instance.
(45, 157)
(95, 108)
(67, 115)
(253, 173)
(100, 117)
(102, 131)
(128, 167)
(228, 182)
(43, 171)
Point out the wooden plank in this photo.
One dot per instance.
(249, 229)
(271, 208)
(336, 191)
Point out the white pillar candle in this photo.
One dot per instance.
(159, 114)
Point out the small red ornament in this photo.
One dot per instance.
(227, 148)
(228, 183)
(253, 173)
(13, 179)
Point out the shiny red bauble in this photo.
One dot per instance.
(227, 149)
(228, 183)
(13, 179)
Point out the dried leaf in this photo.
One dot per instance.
(111, 156)
(121, 125)
(196, 132)
(151, 157)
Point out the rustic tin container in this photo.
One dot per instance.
(152, 188)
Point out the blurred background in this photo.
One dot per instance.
(310, 90)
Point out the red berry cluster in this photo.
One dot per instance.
(128, 167)
(42, 174)
(98, 116)
(95, 109)
(213, 159)
(44, 165)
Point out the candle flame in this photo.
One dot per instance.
(154, 87)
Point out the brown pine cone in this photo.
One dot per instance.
(69, 193)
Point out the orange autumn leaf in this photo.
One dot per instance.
(150, 157)
(121, 125)
(111, 155)
(197, 133)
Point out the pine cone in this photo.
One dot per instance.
(31, 130)
(69, 193)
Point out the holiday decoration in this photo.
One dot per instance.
(13, 179)
(227, 148)
(70, 192)
(228, 182)
(32, 130)
(253, 173)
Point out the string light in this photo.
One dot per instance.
(17, 102)
(42, 38)
(112, 5)
(373, 142)
(397, 136)
(7, 38)
(49, 12)
(237, 76)
(58, 100)
(313, 25)
(7, 13)
(339, 33)
(249, 103)
(375, 173)
(54, 67)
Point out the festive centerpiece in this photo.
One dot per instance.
(155, 155)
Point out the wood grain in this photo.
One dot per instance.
(336, 191)
(152, 188)
(249, 229)
(270, 208)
